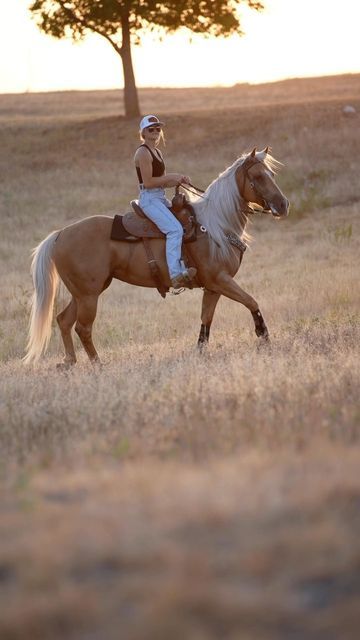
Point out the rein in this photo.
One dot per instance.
(193, 189)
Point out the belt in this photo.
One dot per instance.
(142, 188)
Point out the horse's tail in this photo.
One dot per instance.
(46, 280)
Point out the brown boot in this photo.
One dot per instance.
(184, 278)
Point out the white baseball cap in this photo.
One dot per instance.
(149, 121)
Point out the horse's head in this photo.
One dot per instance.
(255, 181)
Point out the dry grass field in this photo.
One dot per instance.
(173, 496)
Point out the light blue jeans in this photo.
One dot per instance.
(156, 207)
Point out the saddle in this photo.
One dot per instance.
(135, 225)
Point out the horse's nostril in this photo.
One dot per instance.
(284, 206)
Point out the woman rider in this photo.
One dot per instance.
(153, 181)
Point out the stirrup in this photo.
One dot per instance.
(176, 292)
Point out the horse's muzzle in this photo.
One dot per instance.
(280, 208)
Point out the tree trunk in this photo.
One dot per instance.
(130, 91)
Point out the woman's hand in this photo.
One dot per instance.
(175, 179)
(180, 178)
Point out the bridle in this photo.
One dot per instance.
(264, 207)
(248, 164)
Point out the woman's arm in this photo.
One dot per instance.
(144, 161)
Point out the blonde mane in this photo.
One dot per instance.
(220, 209)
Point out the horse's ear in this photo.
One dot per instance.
(253, 153)
(262, 154)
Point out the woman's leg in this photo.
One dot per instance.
(156, 209)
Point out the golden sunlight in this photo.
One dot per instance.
(291, 38)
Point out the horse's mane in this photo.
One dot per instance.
(220, 208)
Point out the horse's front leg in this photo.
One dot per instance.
(209, 302)
(226, 286)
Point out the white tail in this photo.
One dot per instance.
(46, 279)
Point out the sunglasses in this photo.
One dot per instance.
(153, 129)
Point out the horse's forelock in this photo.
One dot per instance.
(271, 163)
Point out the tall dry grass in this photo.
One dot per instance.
(170, 495)
(157, 393)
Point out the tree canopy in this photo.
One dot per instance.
(123, 23)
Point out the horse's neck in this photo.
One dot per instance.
(233, 214)
(242, 215)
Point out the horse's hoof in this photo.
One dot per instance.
(202, 347)
(264, 344)
(64, 366)
(97, 365)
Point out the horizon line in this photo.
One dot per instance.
(162, 88)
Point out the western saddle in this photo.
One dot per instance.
(135, 226)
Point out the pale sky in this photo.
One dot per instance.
(291, 38)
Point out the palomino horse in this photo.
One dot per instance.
(87, 260)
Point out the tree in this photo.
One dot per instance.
(123, 22)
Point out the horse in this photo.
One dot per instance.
(85, 258)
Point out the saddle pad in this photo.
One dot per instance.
(140, 227)
(118, 231)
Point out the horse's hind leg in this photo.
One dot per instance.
(86, 313)
(66, 319)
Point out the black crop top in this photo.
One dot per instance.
(158, 165)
